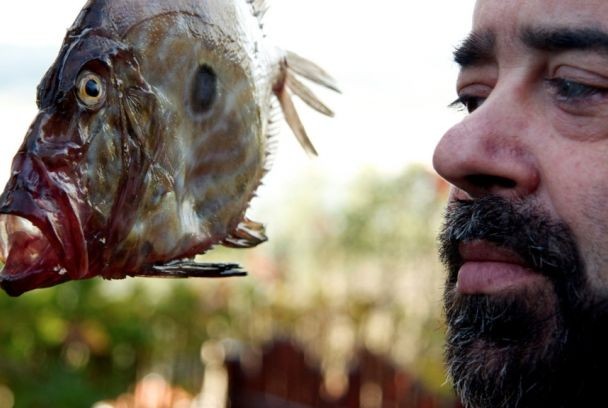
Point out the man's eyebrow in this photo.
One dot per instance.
(477, 48)
(565, 39)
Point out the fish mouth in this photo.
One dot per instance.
(41, 239)
(29, 259)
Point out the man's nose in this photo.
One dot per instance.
(490, 152)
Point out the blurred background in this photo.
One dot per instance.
(342, 307)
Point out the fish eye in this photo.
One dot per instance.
(204, 91)
(90, 89)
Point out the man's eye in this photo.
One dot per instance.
(568, 91)
(467, 102)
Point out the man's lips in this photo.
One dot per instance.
(489, 269)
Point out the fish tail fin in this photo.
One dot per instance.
(295, 66)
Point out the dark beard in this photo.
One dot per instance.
(545, 346)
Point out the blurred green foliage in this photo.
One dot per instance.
(357, 270)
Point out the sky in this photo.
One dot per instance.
(392, 59)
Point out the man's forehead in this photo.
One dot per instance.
(509, 16)
(546, 25)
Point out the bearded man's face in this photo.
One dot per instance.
(528, 345)
(526, 234)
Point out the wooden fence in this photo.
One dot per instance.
(285, 378)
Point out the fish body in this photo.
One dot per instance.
(151, 139)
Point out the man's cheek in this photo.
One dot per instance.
(585, 211)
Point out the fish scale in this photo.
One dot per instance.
(151, 140)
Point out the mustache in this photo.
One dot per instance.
(541, 346)
(546, 245)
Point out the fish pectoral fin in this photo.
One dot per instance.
(191, 269)
(295, 66)
(247, 234)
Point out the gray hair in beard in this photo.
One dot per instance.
(535, 348)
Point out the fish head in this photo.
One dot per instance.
(56, 206)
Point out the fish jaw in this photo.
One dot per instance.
(41, 239)
(30, 262)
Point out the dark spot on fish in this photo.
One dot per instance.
(204, 90)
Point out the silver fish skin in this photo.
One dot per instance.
(151, 140)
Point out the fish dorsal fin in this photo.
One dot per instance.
(295, 66)
(311, 71)
(260, 7)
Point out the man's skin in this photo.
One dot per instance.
(534, 79)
